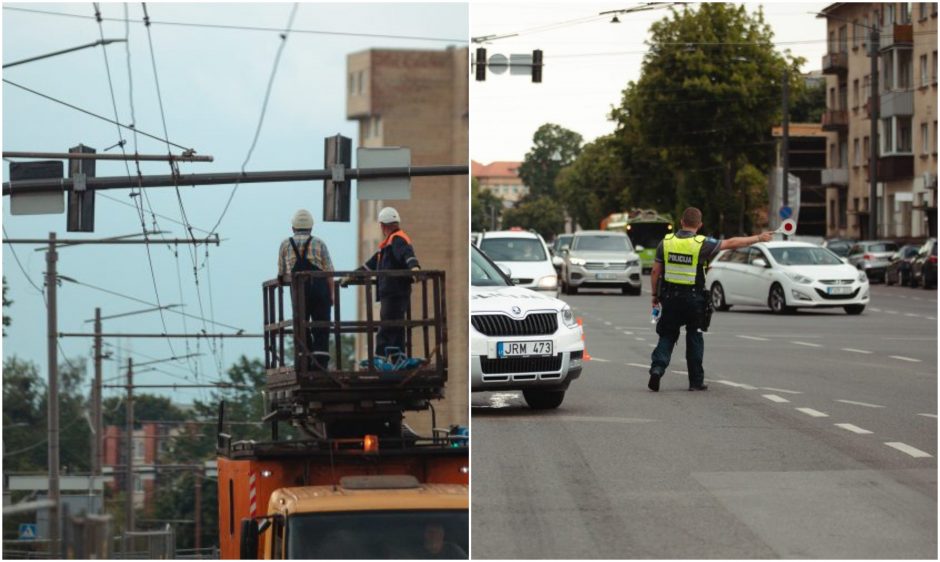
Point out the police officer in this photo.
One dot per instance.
(393, 293)
(678, 283)
(305, 252)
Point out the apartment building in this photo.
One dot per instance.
(418, 99)
(500, 178)
(906, 167)
(150, 442)
(807, 147)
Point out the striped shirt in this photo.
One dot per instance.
(317, 254)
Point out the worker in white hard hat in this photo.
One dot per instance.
(305, 252)
(393, 293)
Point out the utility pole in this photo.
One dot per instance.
(129, 464)
(53, 399)
(874, 116)
(96, 443)
(197, 479)
(786, 142)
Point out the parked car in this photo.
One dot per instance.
(523, 255)
(899, 268)
(924, 266)
(872, 257)
(839, 246)
(600, 259)
(561, 242)
(520, 339)
(785, 276)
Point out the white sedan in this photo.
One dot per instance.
(784, 276)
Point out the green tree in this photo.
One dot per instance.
(593, 186)
(544, 215)
(485, 208)
(707, 98)
(6, 303)
(809, 104)
(146, 407)
(553, 148)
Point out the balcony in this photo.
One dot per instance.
(897, 35)
(835, 120)
(835, 177)
(835, 63)
(896, 167)
(897, 103)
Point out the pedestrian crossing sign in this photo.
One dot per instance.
(27, 531)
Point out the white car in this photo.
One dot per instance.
(784, 276)
(524, 256)
(520, 339)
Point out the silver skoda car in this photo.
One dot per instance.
(600, 259)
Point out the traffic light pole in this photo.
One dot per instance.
(228, 178)
(53, 399)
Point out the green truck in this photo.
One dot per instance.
(645, 227)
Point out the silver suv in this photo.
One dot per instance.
(872, 257)
(601, 259)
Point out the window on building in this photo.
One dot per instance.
(865, 31)
(843, 39)
(933, 70)
(904, 141)
(360, 78)
(924, 72)
(935, 137)
(924, 138)
(864, 203)
(905, 65)
(352, 82)
(856, 34)
(138, 484)
(833, 46)
(887, 136)
(855, 94)
(833, 156)
(376, 126)
(832, 98)
(843, 153)
(855, 204)
(887, 73)
(856, 153)
(905, 13)
(843, 208)
(922, 11)
(832, 213)
(889, 14)
(866, 88)
(866, 151)
(138, 449)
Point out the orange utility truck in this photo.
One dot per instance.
(360, 484)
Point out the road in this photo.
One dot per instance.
(816, 439)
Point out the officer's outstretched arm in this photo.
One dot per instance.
(744, 241)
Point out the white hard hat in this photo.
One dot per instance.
(388, 215)
(302, 220)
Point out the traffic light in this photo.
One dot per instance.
(537, 65)
(481, 64)
(337, 156)
(81, 205)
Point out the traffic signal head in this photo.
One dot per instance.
(537, 65)
(480, 64)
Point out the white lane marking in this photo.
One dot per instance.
(640, 339)
(934, 416)
(606, 323)
(618, 327)
(755, 338)
(775, 398)
(629, 333)
(683, 372)
(782, 390)
(651, 345)
(902, 358)
(812, 412)
(737, 385)
(904, 448)
(871, 308)
(907, 313)
(853, 350)
(928, 317)
(853, 428)
(599, 360)
(638, 365)
(807, 344)
(891, 312)
(866, 404)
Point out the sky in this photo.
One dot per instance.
(212, 83)
(588, 61)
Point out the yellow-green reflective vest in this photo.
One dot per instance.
(681, 258)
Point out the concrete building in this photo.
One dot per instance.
(419, 99)
(906, 168)
(150, 442)
(807, 162)
(501, 179)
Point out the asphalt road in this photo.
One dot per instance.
(816, 439)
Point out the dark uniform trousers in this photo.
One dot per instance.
(393, 307)
(681, 306)
(317, 305)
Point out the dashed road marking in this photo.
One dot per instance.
(934, 416)
(638, 365)
(628, 333)
(599, 360)
(873, 309)
(911, 315)
(681, 372)
(606, 323)
(891, 312)
(807, 344)
(853, 350)
(902, 358)
(737, 385)
(866, 404)
(904, 448)
(775, 398)
(755, 338)
(783, 390)
(812, 412)
(640, 339)
(853, 428)
(651, 345)
(930, 318)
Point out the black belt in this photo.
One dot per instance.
(675, 288)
